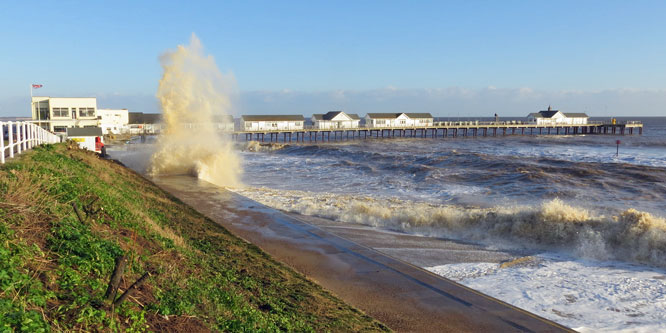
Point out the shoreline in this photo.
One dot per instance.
(403, 296)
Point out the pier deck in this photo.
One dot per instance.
(442, 129)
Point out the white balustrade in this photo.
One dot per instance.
(22, 136)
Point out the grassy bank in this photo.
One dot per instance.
(55, 266)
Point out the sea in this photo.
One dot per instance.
(588, 214)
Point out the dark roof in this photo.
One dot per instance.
(576, 115)
(84, 131)
(535, 115)
(419, 115)
(144, 118)
(548, 114)
(273, 117)
(223, 118)
(332, 114)
(384, 115)
(396, 115)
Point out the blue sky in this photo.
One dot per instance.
(363, 56)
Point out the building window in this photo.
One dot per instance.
(274, 125)
(86, 112)
(43, 113)
(61, 112)
(402, 122)
(381, 121)
(298, 123)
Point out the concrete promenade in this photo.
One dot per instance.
(404, 297)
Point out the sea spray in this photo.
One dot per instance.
(192, 92)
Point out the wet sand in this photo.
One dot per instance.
(365, 267)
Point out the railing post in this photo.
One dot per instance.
(11, 139)
(2, 143)
(18, 137)
(32, 135)
(25, 136)
(28, 137)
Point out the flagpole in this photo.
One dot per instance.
(39, 120)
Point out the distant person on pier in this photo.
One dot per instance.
(496, 119)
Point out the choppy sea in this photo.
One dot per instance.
(595, 217)
(592, 216)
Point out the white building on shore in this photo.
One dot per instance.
(398, 119)
(113, 121)
(271, 122)
(557, 117)
(335, 119)
(56, 114)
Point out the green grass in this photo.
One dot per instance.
(54, 269)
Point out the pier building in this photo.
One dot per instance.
(335, 119)
(271, 122)
(398, 119)
(555, 117)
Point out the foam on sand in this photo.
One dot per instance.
(586, 296)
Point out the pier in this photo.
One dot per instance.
(441, 130)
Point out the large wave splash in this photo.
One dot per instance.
(192, 92)
(631, 235)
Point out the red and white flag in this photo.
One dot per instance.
(35, 86)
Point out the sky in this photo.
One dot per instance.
(450, 58)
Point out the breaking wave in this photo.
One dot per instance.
(631, 235)
(193, 92)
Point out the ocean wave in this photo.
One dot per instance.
(256, 146)
(630, 235)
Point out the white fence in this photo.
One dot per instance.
(19, 136)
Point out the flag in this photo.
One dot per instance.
(35, 86)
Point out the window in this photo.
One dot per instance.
(43, 113)
(274, 125)
(298, 123)
(402, 122)
(86, 112)
(61, 112)
(380, 121)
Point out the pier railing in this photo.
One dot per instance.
(19, 136)
(446, 124)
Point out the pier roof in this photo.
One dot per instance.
(547, 114)
(396, 115)
(576, 115)
(332, 114)
(419, 115)
(273, 117)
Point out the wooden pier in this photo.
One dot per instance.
(441, 129)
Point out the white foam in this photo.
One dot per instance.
(588, 296)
